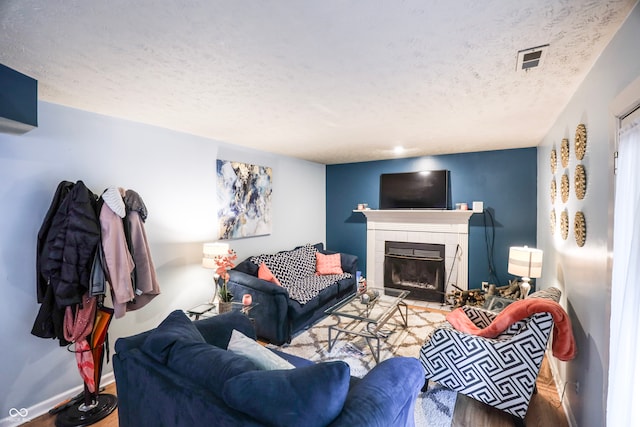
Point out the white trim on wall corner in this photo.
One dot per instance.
(43, 407)
(559, 388)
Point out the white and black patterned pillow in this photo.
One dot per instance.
(290, 266)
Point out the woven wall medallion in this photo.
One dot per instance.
(581, 141)
(564, 152)
(580, 182)
(553, 190)
(553, 160)
(552, 222)
(564, 225)
(564, 188)
(580, 228)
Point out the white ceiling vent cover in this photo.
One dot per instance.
(531, 58)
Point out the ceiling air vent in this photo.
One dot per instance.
(531, 58)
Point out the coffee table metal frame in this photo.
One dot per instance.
(208, 309)
(351, 307)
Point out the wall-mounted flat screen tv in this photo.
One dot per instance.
(415, 190)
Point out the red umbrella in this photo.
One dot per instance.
(98, 338)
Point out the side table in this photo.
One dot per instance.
(199, 310)
(209, 310)
(496, 303)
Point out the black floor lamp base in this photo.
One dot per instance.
(80, 415)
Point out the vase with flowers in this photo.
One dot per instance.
(223, 264)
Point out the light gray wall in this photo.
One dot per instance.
(175, 175)
(583, 273)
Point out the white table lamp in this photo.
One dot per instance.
(209, 253)
(527, 263)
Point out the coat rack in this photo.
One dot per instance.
(81, 227)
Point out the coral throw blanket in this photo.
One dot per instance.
(563, 346)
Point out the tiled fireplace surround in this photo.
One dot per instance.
(444, 227)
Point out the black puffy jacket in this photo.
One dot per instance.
(66, 252)
(42, 255)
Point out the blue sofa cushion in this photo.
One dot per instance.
(313, 393)
(296, 361)
(387, 395)
(247, 267)
(176, 327)
(217, 330)
(207, 365)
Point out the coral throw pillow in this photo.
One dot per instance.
(328, 264)
(265, 274)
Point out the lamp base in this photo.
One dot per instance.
(525, 287)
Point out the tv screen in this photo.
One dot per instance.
(415, 190)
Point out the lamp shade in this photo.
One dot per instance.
(210, 251)
(525, 262)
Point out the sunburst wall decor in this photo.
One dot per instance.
(580, 228)
(580, 182)
(564, 225)
(564, 188)
(581, 141)
(564, 152)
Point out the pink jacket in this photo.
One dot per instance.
(121, 264)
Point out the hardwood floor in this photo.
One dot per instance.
(544, 411)
(545, 408)
(49, 420)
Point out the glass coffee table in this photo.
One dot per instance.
(366, 320)
(207, 310)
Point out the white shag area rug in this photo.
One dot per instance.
(434, 408)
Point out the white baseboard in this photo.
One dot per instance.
(559, 388)
(43, 407)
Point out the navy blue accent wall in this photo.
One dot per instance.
(505, 180)
(18, 97)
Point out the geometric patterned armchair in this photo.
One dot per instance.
(500, 371)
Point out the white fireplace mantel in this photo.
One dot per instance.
(447, 227)
(418, 216)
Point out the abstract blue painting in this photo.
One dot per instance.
(244, 199)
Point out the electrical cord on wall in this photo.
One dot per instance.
(455, 258)
(489, 241)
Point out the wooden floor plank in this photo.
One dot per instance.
(50, 420)
(545, 408)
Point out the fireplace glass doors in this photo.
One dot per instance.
(416, 267)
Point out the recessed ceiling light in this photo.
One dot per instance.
(398, 149)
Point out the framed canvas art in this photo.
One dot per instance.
(244, 199)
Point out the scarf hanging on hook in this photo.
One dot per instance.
(78, 326)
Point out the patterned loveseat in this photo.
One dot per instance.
(301, 295)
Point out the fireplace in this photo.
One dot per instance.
(447, 227)
(416, 267)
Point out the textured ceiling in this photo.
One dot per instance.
(330, 81)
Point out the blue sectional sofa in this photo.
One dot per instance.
(277, 314)
(181, 375)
